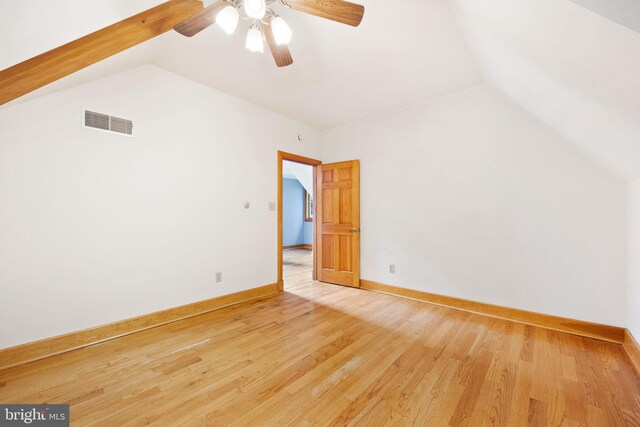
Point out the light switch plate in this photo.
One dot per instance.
(272, 206)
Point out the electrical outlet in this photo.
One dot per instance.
(218, 277)
(392, 268)
(272, 206)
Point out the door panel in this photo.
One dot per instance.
(344, 212)
(338, 248)
(328, 252)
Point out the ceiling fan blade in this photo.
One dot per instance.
(201, 20)
(57, 63)
(335, 10)
(281, 53)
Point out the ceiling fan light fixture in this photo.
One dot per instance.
(254, 40)
(227, 19)
(281, 31)
(255, 8)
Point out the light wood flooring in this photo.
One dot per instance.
(321, 354)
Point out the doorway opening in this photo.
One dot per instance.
(296, 225)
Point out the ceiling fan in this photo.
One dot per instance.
(188, 17)
(266, 23)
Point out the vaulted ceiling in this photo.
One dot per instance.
(575, 69)
(403, 52)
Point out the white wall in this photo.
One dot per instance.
(470, 196)
(96, 227)
(633, 296)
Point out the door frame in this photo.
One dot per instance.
(305, 161)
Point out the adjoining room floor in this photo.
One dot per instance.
(297, 267)
(330, 355)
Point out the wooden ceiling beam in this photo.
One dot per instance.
(55, 64)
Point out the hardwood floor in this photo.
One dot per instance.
(328, 355)
(297, 266)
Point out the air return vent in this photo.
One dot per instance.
(108, 123)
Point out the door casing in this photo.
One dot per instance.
(306, 161)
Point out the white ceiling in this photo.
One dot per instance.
(299, 171)
(404, 52)
(576, 70)
(625, 12)
(288, 174)
(31, 27)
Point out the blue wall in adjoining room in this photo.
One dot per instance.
(308, 232)
(295, 229)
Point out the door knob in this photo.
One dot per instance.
(355, 230)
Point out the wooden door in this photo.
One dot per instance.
(338, 222)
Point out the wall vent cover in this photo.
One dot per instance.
(108, 123)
